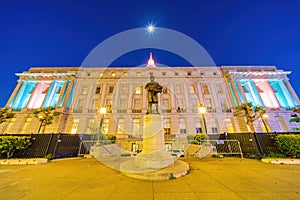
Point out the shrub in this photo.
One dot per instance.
(289, 145)
(195, 138)
(274, 155)
(9, 144)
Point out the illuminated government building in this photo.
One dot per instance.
(79, 93)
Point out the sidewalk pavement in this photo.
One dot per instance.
(209, 178)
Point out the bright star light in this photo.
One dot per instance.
(150, 28)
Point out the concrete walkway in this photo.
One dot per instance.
(209, 178)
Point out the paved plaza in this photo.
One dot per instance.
(209, 178)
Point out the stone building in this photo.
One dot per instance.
(79, 93)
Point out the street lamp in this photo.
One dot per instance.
(102, 112)
(202, 111)
(264, 116)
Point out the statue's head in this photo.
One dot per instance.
(152, 78)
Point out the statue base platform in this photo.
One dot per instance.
(177, 170)
(154, 160)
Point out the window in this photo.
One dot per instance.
(113, 74)
(214, 128)
(176, 73)
(219, 89)
(138, 73)
(105, 126)
(182, 125)
(120, 126)
(110, 89)
(166, 104)
(138, 90)
(205, 89)
(124, 89)
(163, 73)
(123, 104)
(165, 90)
(167, 126)
(93, 126)
(98, 89)
(214, 73)
(194, 104)
(10, 125)
(27, 122)
(189, 73)
(168, 146)
(180, 103)
(136, 126)
(84, 89)
(192, 89)
(178, 89)
(108, 103)
(135, 147)
(137, 104)
(75, 126)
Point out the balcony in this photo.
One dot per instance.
(166, 110)
(136, 110)
(228, 110)
(181, 110)
(79, 110)
(121, 111)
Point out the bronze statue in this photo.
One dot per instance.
(153, 88)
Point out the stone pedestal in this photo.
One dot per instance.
(154, 163)
(154, 155)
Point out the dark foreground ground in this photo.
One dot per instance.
(209, 178)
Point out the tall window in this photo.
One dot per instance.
(137, 104)
(138, 90)
(166, 104)
(98, 89)
(192, 89)
(167, 126)
(194, 104)
(214, 128)
(27, 122)
(182, 125)
(75, 126)
(180, 103)
(123, 104)
(105, 126)
(124, 89)
(198, 125)
(84, 89)
(205, 89)
(121, 122)
(136, 126)
(110, 89)
(10, 125)
(178, 89)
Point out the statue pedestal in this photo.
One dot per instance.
(154, 155)
(154, 162)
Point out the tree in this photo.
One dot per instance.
(295, 117)
(250, 112)
(45, 116)
(8, 144)
(5, 114)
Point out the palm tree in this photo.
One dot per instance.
(5, 114)
(45, 116)
(250, 112)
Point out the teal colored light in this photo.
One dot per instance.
(278, 93)
(64, 95)
(239, 91)
(53, 93)
(24, 94)
(250, 92)
(233, 95)
(70, 97)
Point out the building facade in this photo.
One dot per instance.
(79, 93)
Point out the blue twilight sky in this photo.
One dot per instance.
(63, 32)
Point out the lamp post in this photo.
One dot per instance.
(202, 111)
(262, 119)
(102, 112)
